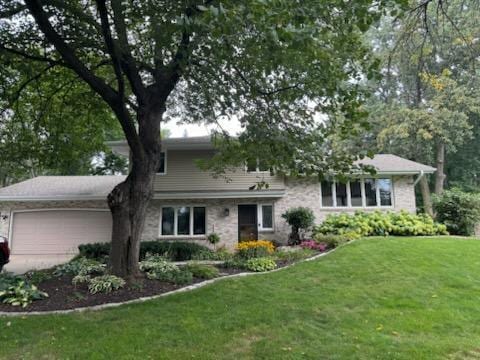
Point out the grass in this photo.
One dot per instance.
(387, 298)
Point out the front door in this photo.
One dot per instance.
(247, 222)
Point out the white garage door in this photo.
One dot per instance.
(58, 231)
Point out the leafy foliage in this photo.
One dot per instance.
(260, 264)
(105, 284)
(80, 266)
(173, 250)
(458, 210)
(17, 291)
(332, 240)
(380, 223)
(314, 245)
(202, 271)
(300, 219)
(252, 249)
(293, 254)
(213, 239)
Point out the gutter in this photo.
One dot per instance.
(420, 176)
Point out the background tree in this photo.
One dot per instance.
(425, 106)
(273, 65)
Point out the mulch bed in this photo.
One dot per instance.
(62, 295)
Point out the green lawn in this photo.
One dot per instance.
(389, 298)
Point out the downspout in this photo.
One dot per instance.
(420, 176)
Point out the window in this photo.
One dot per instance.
(256, 165)
(183, 221)
(327, 193)
(168, 221)
(199, 224)
(266, 217)
(385, 190)
(341, 194)
(368, 192)
(356, 193)
(162, 167)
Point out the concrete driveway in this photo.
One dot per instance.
(20, 264)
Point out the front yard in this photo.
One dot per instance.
(375, 298)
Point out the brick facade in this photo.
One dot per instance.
(297, 193)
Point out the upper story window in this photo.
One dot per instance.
(162, 167)
(257, 165)
(368, 192)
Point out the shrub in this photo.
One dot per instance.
(234, 263)
(16, 291)
(458, 210)
(253, 249)
(179, 277)
(156, 265)
(202, 271)
(331, 241)
(260, 264)
(213, 239)
(81, 279)
(294, 255)
(300, 219)
(97, 251)
(174, 250)
(313, 245)
(105, 284)
(220, 254)
(80, 266)
(379, 223)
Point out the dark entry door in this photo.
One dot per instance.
(247, 222)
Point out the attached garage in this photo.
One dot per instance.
(59, 231)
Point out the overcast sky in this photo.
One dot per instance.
(178, 130)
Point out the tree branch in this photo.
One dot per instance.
(127, 61)
(97, 84)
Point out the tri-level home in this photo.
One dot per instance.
(54, 214)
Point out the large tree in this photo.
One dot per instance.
(272, 64)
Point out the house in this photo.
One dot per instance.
(54, 214)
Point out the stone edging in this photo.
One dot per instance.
(153, 297)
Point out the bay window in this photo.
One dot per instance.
(183, 221)
(367, 192)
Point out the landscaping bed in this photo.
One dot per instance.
(63, 291)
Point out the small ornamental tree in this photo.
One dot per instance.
(300, 219)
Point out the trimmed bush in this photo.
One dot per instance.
(458, 210)
(300, 219)
(331, 241)
(202, 271)
(260, 264)
(174, 250)
(379, 223)
(255, 249)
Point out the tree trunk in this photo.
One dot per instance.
(129, 200)
(440, 163)
(427, 201)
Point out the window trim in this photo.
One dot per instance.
(362, 190)
(260, 217)
(175, 222)
(257, 169)
(165, 165)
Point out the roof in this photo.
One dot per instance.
(182, 143)
(98, 187)
(62, 188)
(393, 164)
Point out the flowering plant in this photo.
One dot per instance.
(254, 249)
(313, 245)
